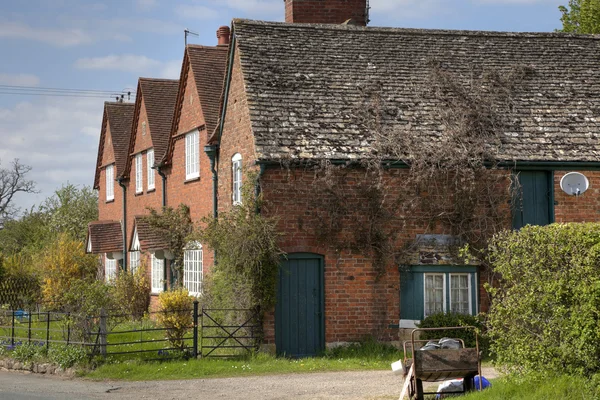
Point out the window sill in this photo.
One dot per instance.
(151, 190)
(194, 179)
(110, 201)
(139, 193)
(155, 293)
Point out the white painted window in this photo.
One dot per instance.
(110, 269)
(110, 182)
(139, 186)
(192, 269)
(150, 164)
(460, 293)
(158, 271)
(144, 128)
(134, 261)
(192, 156)
(435, 293)
(236, 174)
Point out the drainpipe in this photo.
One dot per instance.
(211, 152)
(125, 253)
(261, 172)
(160, 172)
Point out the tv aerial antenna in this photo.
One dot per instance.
(187, 32)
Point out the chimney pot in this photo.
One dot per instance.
(223, 34)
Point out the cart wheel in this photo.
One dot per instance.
(420, 395)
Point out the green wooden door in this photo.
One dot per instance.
(299, 313)
(533, 201)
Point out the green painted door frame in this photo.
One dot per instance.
(534, 204)
(300, 308)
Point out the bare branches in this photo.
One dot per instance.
(12, 181)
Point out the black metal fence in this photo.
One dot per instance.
(212, 333)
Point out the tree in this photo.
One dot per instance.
(12, 181)
(581, 16)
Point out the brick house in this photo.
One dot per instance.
(292, 98)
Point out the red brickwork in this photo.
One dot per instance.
(584, 208)
(109, 210)
(325, 11)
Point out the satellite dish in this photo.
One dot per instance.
(115, 255)
(159, 254)
(574, 183)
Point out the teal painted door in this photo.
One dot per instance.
(533, 201)
(299, 313)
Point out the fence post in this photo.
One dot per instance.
(29, 328)
(68, 327)
(103, 331)
(12, 335)
(202, 333)
(47, 330)
(195, 351)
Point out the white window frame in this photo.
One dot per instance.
(425, 275)
(193, 263)
(110, 269)
(236, 178)
(469, 293)
(150, 165)
(157, 274)
(134, 261)
(139, 175)
(109, 173)
(192, 155)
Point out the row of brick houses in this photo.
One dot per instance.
(279, 97)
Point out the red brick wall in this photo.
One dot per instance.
(196, 193)
(325, 11)
(584, 208)
(111, 210)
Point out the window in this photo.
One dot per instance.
(138, 173)
(434, 293)
(134, 261)
(428, 289)
(144, 128)
(158, 271)
(460, 289)
(110, 182)
(192, 270)
(236, 173)
(110, 268)
(150, 164)
(192, 162)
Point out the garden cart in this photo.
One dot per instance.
(440, 364)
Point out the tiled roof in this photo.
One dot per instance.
(119, 117)
(104, 237)
(148, 237)
(208, 66)
(304, 82)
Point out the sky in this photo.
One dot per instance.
(107, 45)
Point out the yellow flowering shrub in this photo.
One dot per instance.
(176, 315)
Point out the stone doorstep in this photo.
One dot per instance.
(9, 364)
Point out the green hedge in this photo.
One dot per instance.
(545, 313)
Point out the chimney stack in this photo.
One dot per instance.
(327, 11)
(223, 34)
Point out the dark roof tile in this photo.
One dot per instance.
(104, 237)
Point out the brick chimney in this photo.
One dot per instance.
(327, 11)
(223, 34)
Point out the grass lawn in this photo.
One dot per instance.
(364, 356)
(559, 387)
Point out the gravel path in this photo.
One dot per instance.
(362, 385)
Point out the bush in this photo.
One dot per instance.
(176, 315)
(545, 310)
(29, 351)
(66, 356)
(63, 263)
(441, 320)
(20, 286)
(131, 292)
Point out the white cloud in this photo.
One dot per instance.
(146, 5)
(171, 69)
(60, 37)
(19, 79)
(198, 12)
(403, 9)
(57, 137)
(258, 7)
(123, 62)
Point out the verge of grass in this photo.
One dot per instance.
(533, 388)
(368, 355)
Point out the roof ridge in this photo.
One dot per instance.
(417, 31)
(157, 79)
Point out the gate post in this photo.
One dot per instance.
(102, 332)
(195, 350)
